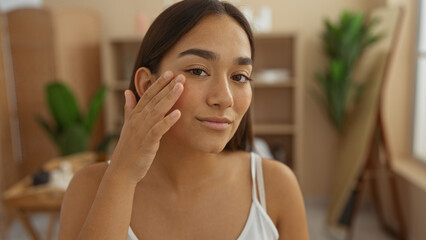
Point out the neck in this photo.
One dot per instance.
(182, 168)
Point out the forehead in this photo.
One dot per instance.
(217, 33)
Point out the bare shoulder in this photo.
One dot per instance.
(79, 197)
(281, 185)
(278, 175)
(284, 200)
(86, 180)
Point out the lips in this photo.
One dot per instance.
(216, 119)
(216, 123)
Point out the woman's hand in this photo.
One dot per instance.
(145, 122)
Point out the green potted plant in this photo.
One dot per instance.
(343, 43)
(71, 129)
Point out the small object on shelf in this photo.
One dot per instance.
(61, 176)
(278, 75)
(142, 23)
(261, 147)
(41, 177)
(263, 21)
(10, 5)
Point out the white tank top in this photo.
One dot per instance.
(258, 225)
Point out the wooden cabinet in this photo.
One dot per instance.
(276, 107)
(276, 94)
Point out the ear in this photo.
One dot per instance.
(143, 79)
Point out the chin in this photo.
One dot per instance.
(209, 147)
(204, 145)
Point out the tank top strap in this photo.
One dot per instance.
(253, 175)
(256, 166)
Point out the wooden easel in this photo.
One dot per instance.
(370, 173)
(379, 155)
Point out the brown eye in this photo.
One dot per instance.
(241, 78)
(197, 72)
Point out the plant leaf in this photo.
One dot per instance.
(73, 140)
(94, 109)
(103, 146)
(52, 133)
(62, 104)
(344, 43)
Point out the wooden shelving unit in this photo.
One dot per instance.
(123, 52)
(276, 105)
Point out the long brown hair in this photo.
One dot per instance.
(169, 27)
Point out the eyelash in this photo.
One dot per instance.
(191, 71)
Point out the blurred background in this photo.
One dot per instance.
(339, 96)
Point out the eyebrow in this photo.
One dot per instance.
(209, 55)
(243, 61)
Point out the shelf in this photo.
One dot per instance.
(274, 88)
(412, 170)
(122, 40)
(273, 129)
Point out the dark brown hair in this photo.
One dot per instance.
(169, 27)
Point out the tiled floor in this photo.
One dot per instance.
(366, 225)
(40, 223)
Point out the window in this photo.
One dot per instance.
(419, 134)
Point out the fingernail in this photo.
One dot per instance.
(174, 114)
(179, 78)
(125, 97)
(176, 88)
(167, 75)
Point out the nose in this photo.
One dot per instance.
(220, 94)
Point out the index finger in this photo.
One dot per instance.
(155, 88)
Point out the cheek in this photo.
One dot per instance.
(192, 96)
(243, 100)
(189, 97)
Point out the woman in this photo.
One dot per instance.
(181, 169)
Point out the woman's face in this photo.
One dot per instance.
(215, 58)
